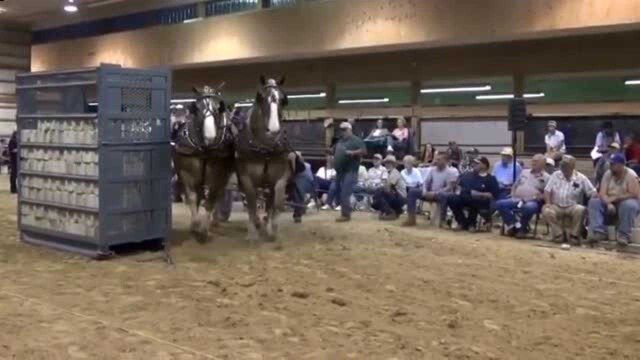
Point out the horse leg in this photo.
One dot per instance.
(252, 206)
(217, 178)
(278, 194)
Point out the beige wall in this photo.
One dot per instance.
(334, 27)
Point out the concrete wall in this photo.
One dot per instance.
(335, 27)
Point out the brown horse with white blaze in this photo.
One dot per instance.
(262, 156)
(203, 157)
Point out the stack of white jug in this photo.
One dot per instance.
(82, 132)
(71, 222)
(72, 162)
(59, 191)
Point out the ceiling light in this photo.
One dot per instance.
(632, 82)
(363, 101)
(192, 20)
(70, 7)
(303, 96)
(456, 89)
(2, 10)
(243, 104)
(508, 96)
(182, 101)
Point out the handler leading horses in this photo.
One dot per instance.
(261, 156)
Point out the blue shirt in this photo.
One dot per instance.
(504, 173)
(472, 181)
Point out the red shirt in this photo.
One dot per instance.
(632, 153)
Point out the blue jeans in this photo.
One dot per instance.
(627, 212)
(507, 209)
(345, 182)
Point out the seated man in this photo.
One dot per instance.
(377, 175)
(632, 152)
(602, 165)
(503, 171)
(620, 194)
(563, 196)
(300, 185)
(478, 190)
(390, 198)
(438, 186)
(378, 138)
(411, 176)
(554, 140)
(359, 190)
(527, 195)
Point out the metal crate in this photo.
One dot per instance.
(94, 168)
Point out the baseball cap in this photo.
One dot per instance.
(377, 156)
(552, 123)
(345, 125)
(618, 159)
(507, 151)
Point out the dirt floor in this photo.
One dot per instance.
(364, 290)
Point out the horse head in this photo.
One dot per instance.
(270, 101)
(210, 112)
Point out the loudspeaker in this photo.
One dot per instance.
(517, 114)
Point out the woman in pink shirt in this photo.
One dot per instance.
(400, 137)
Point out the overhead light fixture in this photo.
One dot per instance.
(456, 89)
(306, 96)
(243, 104)
(508, 96)
(182, 101)
(70, 6)
(192, 20)
(632, 82)
(3, 10)
(363, 101)
(93, 104)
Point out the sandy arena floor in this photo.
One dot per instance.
(364, 290)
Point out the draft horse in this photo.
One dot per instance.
(203, 157)
(262, 157)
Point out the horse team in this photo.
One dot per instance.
(214, 142)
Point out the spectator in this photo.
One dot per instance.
(478, 190)
(437, 188)
(378, 139)
(349, 151)
(13, 162)
(564, 195)
(619, 194)
(527, 195)
(632, 152)
(399, 141)
(390, 198)
(455, 154)
(360, 189)
(554, 139)
(429, 154)
(300, 186)
(411, 176)
(377, 175)
(467, 163)
(603, 162)
(550, 166)
(605, 137)
(325, 182)
(503, 171)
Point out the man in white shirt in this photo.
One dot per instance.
(325, 183)
(564, 196)
(554, 139)
(377, 175)
(437, 186)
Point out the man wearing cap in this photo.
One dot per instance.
(348, 152)
(527, 195)
(478, 190)
(603, 163)
(564, 195)
(554, 139)
(390, 198)
(619, 194)
(437, 187)
(503, 171)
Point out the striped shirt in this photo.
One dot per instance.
(568, 192)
